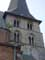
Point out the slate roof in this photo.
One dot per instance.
(22, 10)
(2, 23)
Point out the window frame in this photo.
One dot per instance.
(29, 26)
(16, 23)
(31, 40)
(17, 37)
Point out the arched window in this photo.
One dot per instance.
(29, 26)
(31, 40)
(17, 37)
(16, 23)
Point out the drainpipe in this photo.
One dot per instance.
(14, 53)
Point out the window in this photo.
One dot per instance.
(29, 26)
(16, 37)
(16, 23)
(31, 40)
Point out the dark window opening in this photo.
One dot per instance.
(30, 26)
(17, 23)
(27, 26)
(14, 23)
(16, 37)
(30, 40)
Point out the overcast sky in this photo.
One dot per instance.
(36, 8)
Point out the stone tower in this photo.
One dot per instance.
(25, 36)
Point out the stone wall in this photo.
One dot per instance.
(38, 38)
(25, 33)
(23, 23)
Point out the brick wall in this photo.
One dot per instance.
(4, 35)
(6, 53)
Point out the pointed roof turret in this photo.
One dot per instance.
(13, 4)
(19, 7)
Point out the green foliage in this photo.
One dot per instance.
(9, 26)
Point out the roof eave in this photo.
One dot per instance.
(10, 13)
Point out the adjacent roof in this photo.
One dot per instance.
(2, 23)
(20, 8)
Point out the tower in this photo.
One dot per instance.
(25, 36)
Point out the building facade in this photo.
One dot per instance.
(21, 34)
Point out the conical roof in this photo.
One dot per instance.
(19, 7)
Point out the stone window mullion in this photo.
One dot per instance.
(31, 40)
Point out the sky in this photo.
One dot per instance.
(36, 8)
